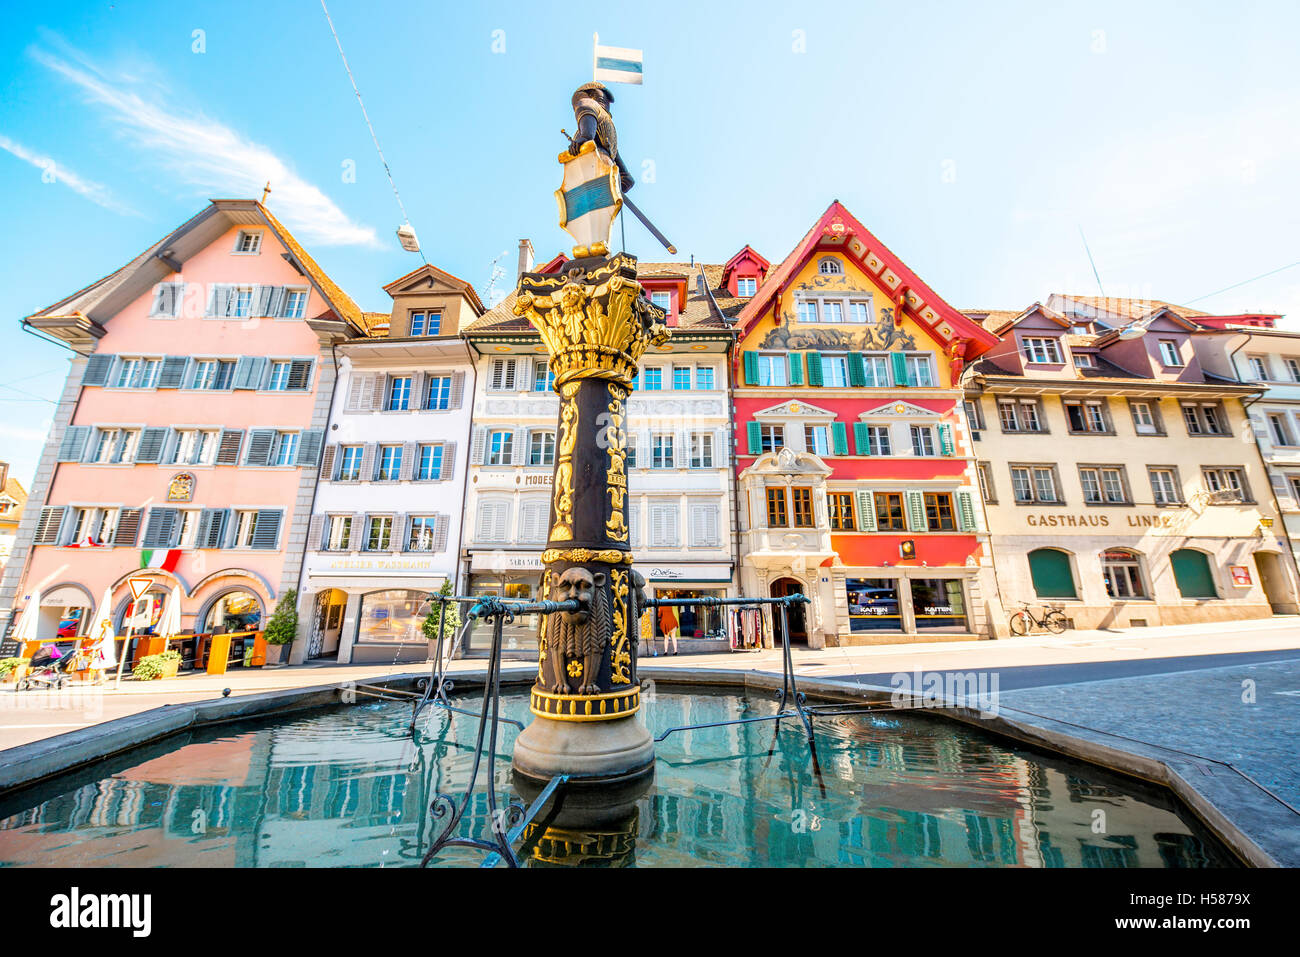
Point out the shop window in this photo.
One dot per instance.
(690, 621)
(396, 615)
(1192, 573)
(1122, 572)
(235, 611)
(938, 604)
(873, 604)
(1049, 569)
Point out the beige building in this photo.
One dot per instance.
(12, 499)
(1120, 476)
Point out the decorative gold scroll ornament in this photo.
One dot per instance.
(616, 475)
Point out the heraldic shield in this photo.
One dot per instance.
(589, 198)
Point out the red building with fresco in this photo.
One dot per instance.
(857, 482)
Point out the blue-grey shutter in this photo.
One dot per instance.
(203, 535)
(173, 372)
(300, 375)
(315, 533)
(160, 527)
(97, 369)
(266, 530)
(448, 461)
(327, 461)
(866, 511)
(228, 450)
(151, 446)
(249, 372)
(457, 390)
(73, 446)
(440, 528)
(128, 526)
(260, 444)
(915, 511)
(47, 528)
(309, 444)
(262, 300)
(276, 306)
(966, 512)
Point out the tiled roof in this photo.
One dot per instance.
(1132, 308)
(991, 319)
(339, 300)
(14, 489)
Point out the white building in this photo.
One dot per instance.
(386, 521)
(680, 458)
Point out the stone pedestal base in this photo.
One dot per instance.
(610, 766)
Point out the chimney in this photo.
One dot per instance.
(525, 256)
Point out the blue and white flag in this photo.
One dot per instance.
(616, 64)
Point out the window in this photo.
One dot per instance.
(629, 444)
(194, 447)
(835, 370)
(841, 509)
(116, 446)
(801, 502)
(1293, 367)
(286, 448)
(832, 311)
(860, 311)
(240, 305)
(876, 370)
(922, 440)
(350, 463)
(428, 466)
(500, 448)
(1084, 360)
(1086, 416)
(1019, 416)
(661, 451)
(773, 437)
(1258, 367)
(541, 448)
(1295, 486)
(816, 439)
(1280, 428)
(295, 304)
(652, 379)
(425, 323)
(1226, 485)
(889, 512)
(746, 287)
(380, 533)
(938, 512)
(248, 242)
(1169, 354)
(664, 300)
(543, 377)
(830, 267)
(149, 370)
(279, 380)
(701, 450)
(213, 374)
(390, 463)
(703, 378)
(503, 375)
(437, 396)
(1035, 484)
(338, 533)
(1049, 569)
(681, 378)
(665, 525)
(1145, 421)
(399, 393)
(1043, 351)
(773, 370)
(919, 370)
(1164, 486)
(1122, 573)
(1103, 485)
(126, 370)
(982, 469)
(776, 513)
(1203, 419)
(422, 533)
(878, 440)
(245, 529)
(975, 414)
(807, 309)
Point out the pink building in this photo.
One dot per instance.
(189, 431)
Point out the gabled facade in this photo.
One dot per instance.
(189, 430)
(1118, 471)
(385, 526)
(679, 440)
(12, 499)
(857, 482)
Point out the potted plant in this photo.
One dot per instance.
(450, 625)
(148, 668)
(282, 628)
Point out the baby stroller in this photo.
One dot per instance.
(49, 668)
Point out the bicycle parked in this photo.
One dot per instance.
(1053, 619)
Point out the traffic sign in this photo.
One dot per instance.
(139, 586)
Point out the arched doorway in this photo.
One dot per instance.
(795, 614)
(327, 624)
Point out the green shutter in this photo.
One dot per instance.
(754, 433)
(751, 367)
(796, 368)
(866, 512)
(814, 360)
(900, 368)
(857, 369)
(839, 438)
(966, 513)
(1192, 574)
(945, 438)
(1049, 568)
(915, 510)
(861, 440)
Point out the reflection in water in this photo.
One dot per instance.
(346, 787)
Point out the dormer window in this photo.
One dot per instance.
(426, 323)
(249, 242)
(746, 287)
(1169, 353)
(830, 267)
(664, 300)
(1043, 351)
(1084, 360)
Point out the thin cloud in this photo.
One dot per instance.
(56, 172)
(214, 157)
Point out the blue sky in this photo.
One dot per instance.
(975, 139)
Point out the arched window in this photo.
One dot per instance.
(1192, 573)
(233, 612)
(1049, 568)
(830, 267)
(1122, 572)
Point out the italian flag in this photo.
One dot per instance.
(165, 559)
